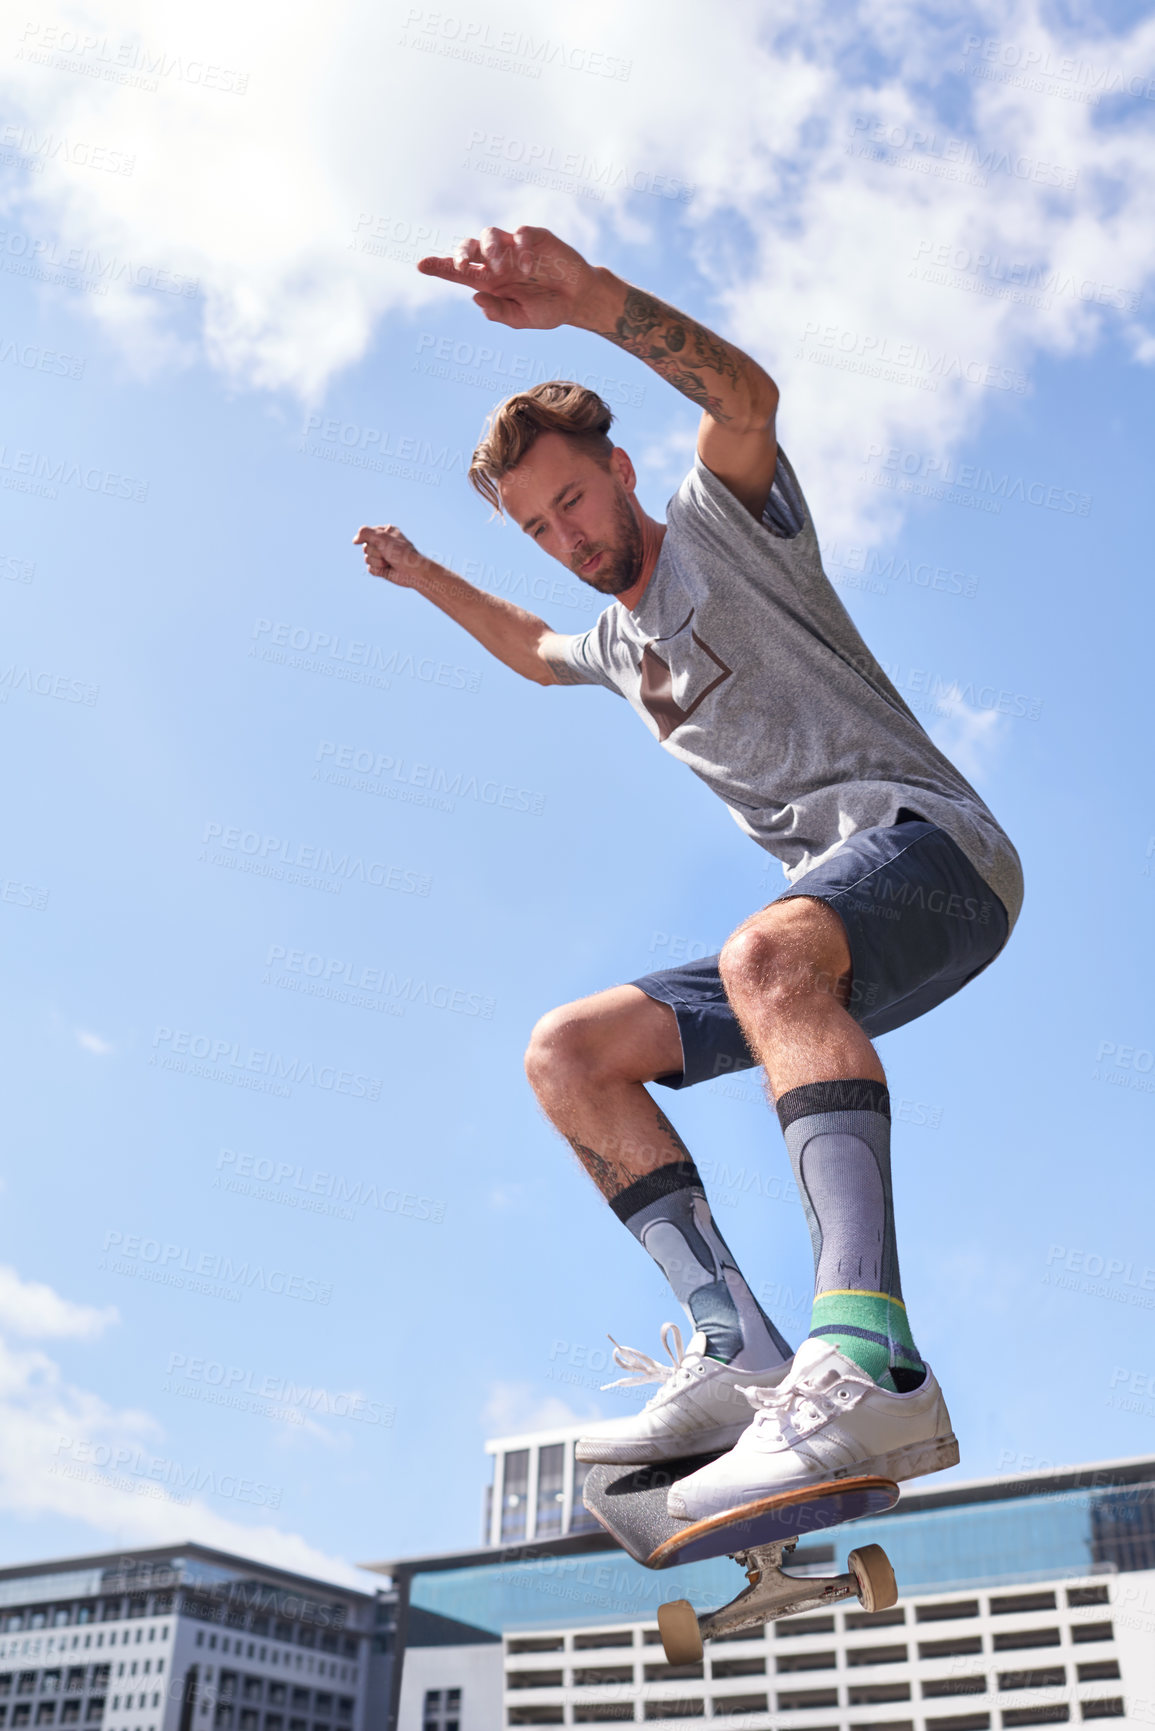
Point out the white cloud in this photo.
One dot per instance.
(836, 158)
(65, 1452)
(93, 1043)
(512, 1408)
(31, 1309)
(971, 738)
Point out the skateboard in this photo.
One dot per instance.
(630, 1502)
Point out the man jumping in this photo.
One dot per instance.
(726, 637)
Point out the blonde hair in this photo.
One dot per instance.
(556, 406)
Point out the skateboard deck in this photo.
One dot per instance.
(630, 1502)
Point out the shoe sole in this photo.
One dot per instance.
(593, 1452)
(911, 1462)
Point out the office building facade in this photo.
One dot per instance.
(183, 1639)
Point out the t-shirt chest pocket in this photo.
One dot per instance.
(678, 673)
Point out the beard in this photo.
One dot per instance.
(622, 565)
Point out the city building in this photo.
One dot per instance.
(1026, 1599)
(536, 1489)
(186, 1638)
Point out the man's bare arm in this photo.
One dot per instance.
(521, 640)
(723, 381)
(737, 440)
(531, 280)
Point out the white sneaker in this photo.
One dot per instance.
(700, 1406)
(826, 1420)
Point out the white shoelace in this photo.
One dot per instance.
(805, 1406)
(643, 1368)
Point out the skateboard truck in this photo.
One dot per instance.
(773, 1593)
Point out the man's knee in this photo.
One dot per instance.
(793, 946)
(566, 1047)
(619, 1035)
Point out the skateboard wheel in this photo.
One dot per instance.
(681, 1636)
(877, 1589)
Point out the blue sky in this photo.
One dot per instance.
(217, 362)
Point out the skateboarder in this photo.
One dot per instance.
(727, 639)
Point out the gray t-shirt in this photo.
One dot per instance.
(742, 661)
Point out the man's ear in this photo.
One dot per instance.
(622, 468)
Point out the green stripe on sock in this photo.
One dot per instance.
(877, 1335)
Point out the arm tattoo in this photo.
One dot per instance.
(681, 350)
(613, 1173)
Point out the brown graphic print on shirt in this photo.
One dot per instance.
(658, 676)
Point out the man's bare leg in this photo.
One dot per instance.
(787, 974)
(588, 1063)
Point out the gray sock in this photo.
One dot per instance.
(838, 1135)
(667, 1212)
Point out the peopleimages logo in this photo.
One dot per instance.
(310, 864)
(237, 1380)
(391, 777)
(176, 1260)
(215, 1059)
(180, 1479)
(281, 1181)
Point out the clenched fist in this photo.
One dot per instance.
(390, 554)
(525, 278)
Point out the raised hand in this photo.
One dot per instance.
(392, 555)
(527, 279)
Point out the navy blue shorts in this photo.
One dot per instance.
(920, 922)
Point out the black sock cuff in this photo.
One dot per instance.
(860, 1094)
(663, 1181)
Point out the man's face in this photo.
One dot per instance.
(578, 512)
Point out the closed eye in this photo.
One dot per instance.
(566, 503)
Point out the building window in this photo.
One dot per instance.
(515, 1487)
(442, 1710)
(1123, 1529)
(550, 1490)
